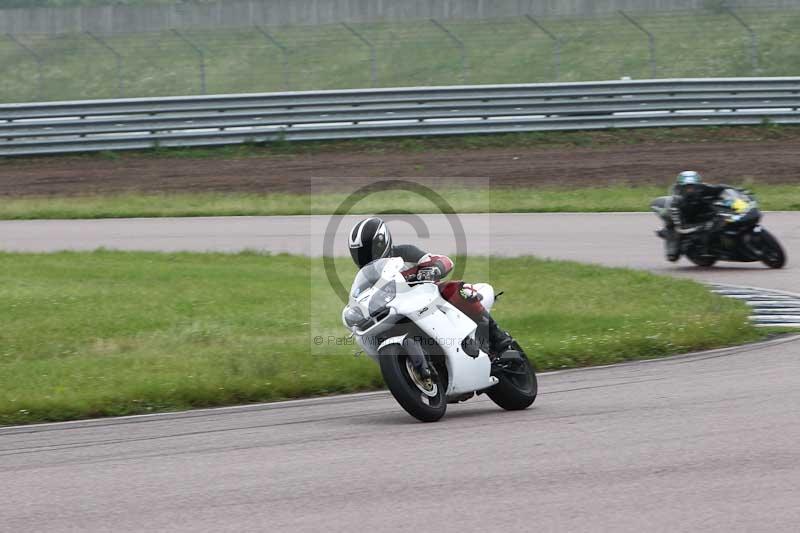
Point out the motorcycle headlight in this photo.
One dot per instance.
(382, 296)
(352, 316)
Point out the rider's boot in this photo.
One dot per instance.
(498, 340)
(708, 236)
(672, 244)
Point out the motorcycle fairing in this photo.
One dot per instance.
(442, 322)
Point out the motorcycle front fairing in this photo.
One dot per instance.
(741, 217)
(448, 327)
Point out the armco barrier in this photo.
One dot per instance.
(79, 126)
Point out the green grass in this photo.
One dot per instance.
(494, 200)
(112, 333)
(688, 44)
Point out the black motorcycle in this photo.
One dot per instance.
(741, 237)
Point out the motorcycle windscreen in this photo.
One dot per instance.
(367, 277)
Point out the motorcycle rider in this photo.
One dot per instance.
(370, 239)
(691, 210)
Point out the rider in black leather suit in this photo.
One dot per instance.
(691, 211)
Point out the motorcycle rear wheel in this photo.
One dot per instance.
(517, 386)
(774, 256)
(423, 399)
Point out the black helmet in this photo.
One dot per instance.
(369, 240)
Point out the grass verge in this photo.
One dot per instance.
(113, 333)
(496, 200)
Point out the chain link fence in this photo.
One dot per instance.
(523, 49)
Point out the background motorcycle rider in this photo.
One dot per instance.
(370, 240)
(691, 210)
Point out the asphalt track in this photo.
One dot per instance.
(616, 239)
(705, 442)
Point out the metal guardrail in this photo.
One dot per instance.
(95, 125)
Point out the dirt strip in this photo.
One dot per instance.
(775, 161)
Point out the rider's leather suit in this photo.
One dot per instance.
(693, 213)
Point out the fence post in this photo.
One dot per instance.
(556, 46)
(372, 55)
(118, 59)
(200, 56)
(753, 38)
(284, 54)
(39, 62)
(461, 47)
(651, 42)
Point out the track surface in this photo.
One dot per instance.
(705, 442)
(621, 239)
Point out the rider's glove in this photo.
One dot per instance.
(469, 293)
(429, 274)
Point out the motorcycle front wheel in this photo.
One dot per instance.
(774, 256)
(424, 399)
(517, 386)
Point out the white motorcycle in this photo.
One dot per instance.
(427, 349)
